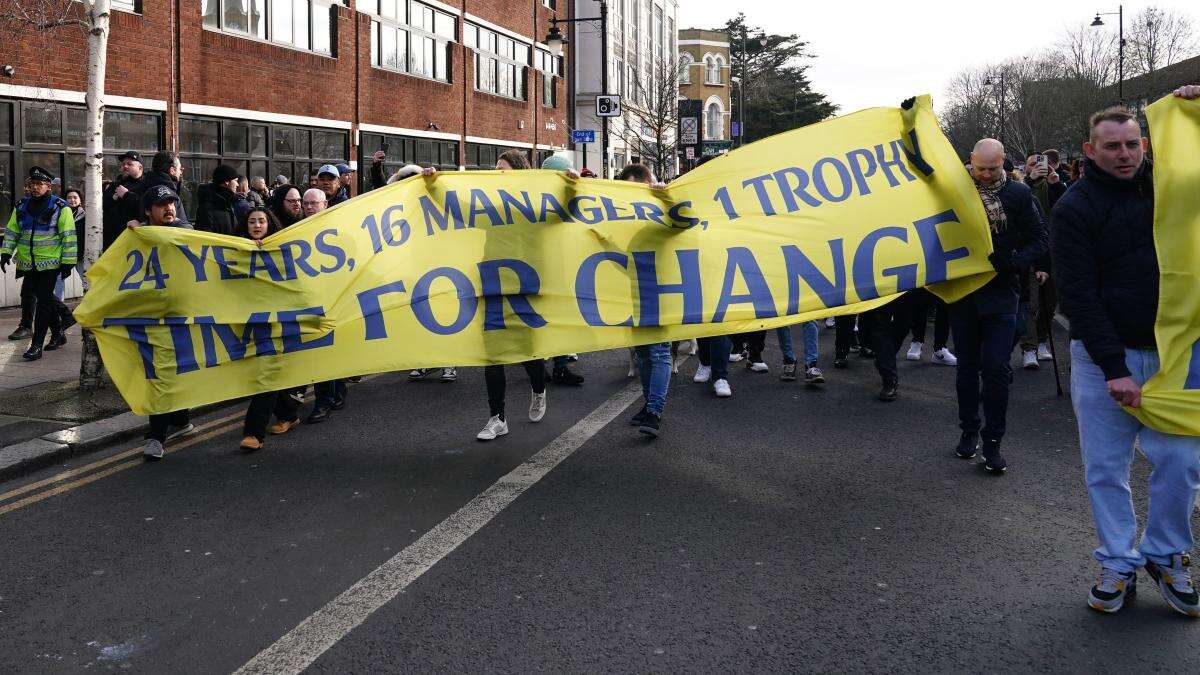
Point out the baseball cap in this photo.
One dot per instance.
(329, 169)
(158, 194)
(130, 154)
(344, 169)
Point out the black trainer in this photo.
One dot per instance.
(21, 333)
(56, 341)
(887, 393)
(636, 420)
(650, 424)
(1175, 583)
(993, 461)
(839, 360)
(565, 375)
(866, 353)
(32, 354)
(968, 446)
(68, 320)
(318, 415)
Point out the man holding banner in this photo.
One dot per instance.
(1108, 240)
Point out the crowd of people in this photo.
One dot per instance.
(1079, 239)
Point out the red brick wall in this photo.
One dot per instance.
(227, 71)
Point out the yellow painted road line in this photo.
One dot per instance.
(214, 425)
(94, 465)
(67, 487)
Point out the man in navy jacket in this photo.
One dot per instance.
(984, 323)
(1108, 280)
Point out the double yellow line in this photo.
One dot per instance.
(207, 430)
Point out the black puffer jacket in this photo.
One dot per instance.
(1017, 248)
(1106, 264)
(219, 209)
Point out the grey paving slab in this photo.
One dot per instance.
(99, 432)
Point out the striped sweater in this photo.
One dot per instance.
(40, 235)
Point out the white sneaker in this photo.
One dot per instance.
(186, 430)
(734, 358)
(537, 407)
(449, 374)
(1043, 352)
(721, 389)
(152, 450)
(830, 322)
(759, 367)
(494, 427)
(703, 373)
(1029, 360)
(914, 351)
(944, 357)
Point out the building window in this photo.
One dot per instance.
(548, 4)
(411, 37)
(685, 68)
(300, 24)
(401, 150)
(550, 68)
(712, 69)
(134, 6)
(500, 62)
(481, 156)
(53, 136)
(714, 122)
(255, 149)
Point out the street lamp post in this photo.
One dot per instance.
(1120, 14)
(989, 82)
(555, 41)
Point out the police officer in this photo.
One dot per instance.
(40, 237)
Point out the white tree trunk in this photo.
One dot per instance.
(98, 15)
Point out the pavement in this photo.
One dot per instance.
(784, 529)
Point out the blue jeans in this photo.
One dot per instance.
(984, 343)
(1106, 437)
(810, 331)
(59, 288)
(654, 364)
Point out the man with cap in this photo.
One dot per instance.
(40, 239)
(220, 205)
(345, 177)
(561, 373)
(122, 198)
(165, 169)
(329, 182)
(161, 207)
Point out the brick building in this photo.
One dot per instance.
(705, 87)
(282, 86)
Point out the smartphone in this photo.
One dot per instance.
(1043, 162)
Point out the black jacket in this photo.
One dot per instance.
(1017, 248)
(1106, 265)
(118, 212)
(1047, 195)
(219, 209)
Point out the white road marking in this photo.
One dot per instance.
(305, 643)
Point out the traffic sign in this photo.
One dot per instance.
(689, 130)
(737, 130)
(690, 152)
(583, 136)
(608, 105)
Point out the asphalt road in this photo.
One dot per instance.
(784, 529)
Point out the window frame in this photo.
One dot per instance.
(498, 62)
(404, 23)
(268, 25)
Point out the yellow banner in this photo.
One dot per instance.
(1171, 399)
(486, 267)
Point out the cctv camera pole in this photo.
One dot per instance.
(604, 83)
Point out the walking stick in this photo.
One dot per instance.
(1050, 333)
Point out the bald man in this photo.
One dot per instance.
(313, 202)
(330, 395)
(984, 323)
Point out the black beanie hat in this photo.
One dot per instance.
(224, 173)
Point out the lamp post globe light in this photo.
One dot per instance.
(1098, 21)
(555, 41)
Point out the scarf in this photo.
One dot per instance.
(990, 194)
